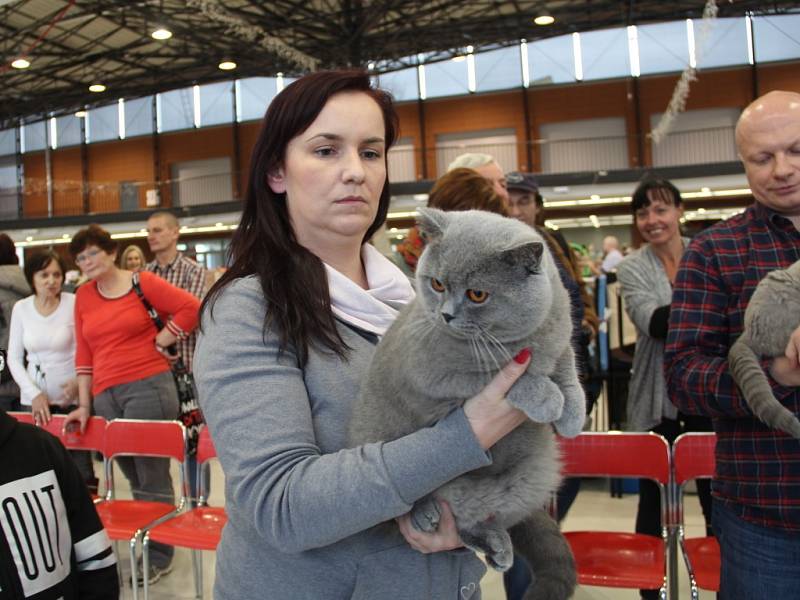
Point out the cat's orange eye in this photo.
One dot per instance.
(477, 296)
(437, 285)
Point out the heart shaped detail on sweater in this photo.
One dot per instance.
(468, 590)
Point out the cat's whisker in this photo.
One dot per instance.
(488, 349)
(496, 343)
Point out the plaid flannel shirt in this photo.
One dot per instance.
(757, 468)
(188, 275)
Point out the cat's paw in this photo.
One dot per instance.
(494, 542)
(573, 417)
(425, 515)
(539, 398)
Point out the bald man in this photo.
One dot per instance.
(756, 488)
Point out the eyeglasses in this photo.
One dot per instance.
(83, 257)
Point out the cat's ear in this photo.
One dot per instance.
(431, 223)
(528, 256)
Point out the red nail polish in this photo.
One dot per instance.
(522, 356)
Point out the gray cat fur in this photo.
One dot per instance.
(426, 366)
(772, 314)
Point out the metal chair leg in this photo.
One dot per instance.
(197, 567)
(134, 578)
(146, 565)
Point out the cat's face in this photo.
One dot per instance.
(481, 277)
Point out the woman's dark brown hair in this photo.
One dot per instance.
(41, 260)
(293, 280)
(465, 189)
(8, 252)
(93, 235)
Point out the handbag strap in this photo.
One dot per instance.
(153, 313)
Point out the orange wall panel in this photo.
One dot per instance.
(67, 182)
(779, 77)
(34, 197)
(110, 163)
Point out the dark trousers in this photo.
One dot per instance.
(648, 515)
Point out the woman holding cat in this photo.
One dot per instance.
(287, 335)
(646, 279)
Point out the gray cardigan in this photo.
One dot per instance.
(307, 516)
(645, 287)
(13, 287)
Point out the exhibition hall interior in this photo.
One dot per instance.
(113, 111)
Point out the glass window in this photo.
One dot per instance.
(255, 94)
(726, 43)
(139, 116)
(446, 78)
(8, 142)
(34, 136)
(605, 54)
(68, 131)
(776, 37)
(177, 109)
(102, 123)
(216, 103)
(402, 84)
(551, 61)
(498, 69)
(8, 186)
(663, 47)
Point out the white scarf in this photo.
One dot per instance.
(376, 308)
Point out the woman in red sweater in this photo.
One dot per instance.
(121, 360)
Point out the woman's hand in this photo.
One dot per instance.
(164, 339)
(444, 538)
(70, 390)
(40, 407)
(489, 413)
(80, 415)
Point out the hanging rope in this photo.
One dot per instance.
(680, 94)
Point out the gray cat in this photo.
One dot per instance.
(771, 316)
(487, 288)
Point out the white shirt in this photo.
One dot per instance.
(50, 344)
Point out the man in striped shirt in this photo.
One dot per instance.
(756, 486)
(163, 231)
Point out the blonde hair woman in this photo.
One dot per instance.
(132, 259)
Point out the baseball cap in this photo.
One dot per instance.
(526, 182)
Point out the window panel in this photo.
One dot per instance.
(34, 136)
(68, 131)
(498, 69)
(139, 116)
(255, 94)
(102, 123)
(605, 54)
(663, 47)
(402, 85)
(446, 78)
(216, 103)
(777, 37)
(725, 45)
(8, 144)
(551, 61)
(177, 109)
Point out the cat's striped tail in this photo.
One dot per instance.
(753, 383)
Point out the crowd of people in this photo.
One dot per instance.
(285, 335)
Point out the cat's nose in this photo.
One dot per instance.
(447, 317)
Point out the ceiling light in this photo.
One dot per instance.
(80, 114)
(21, 63)
(544, 19)
(227, 65)
(161, 34)
(97, 88)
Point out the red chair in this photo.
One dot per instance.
(128, 519)
(613, 559)
(92, 438)
(198, 529)
(693, 458)
(22, 417)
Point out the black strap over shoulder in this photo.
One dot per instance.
(173, 349)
